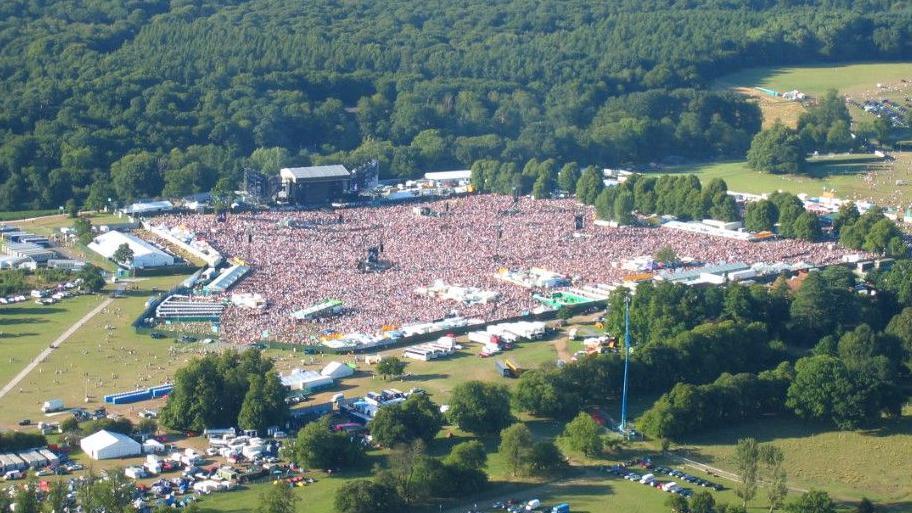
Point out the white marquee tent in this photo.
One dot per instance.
(337, 370)
(105, 445)
(144, 254)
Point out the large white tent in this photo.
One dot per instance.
(144, 254)
(105, 445)
(337, 370)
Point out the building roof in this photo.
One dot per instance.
(107, 243)
(149, 206)
(315, 172)
(337, 370)
(463, 174)
(104, 439)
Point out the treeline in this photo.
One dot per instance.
(686, 198)
(720, 354)
(11, 441)
(131, 99)
(729, 399)
(871, 232)
(226, 390)
(693, 356)
(785, 213)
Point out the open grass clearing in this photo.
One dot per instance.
(817, 80)
(27, 328)
(102, 357)
(857, 178)
(847, 464)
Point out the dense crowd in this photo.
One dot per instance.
(466, 244)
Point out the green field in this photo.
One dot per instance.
(27, 328)
(848, 464)
(102, 357)
(842, 175)
(816, 80)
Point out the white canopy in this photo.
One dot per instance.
(105, 445)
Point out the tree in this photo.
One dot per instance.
(807, 227)
(264, 403)
(589, 186)
(72, 209)
(568, 176)
(469, 454)
(702, 502)
(846, 216)
(880, 235)
(623, 207)
(146, 427)
(583, 435)
(865, 506)
(69, 425)
(541, 189)
(900, 326)
(279, 498)
(416, 418)
(814, 501)
(776, 150)
(898, 282)
(480, 407)
(363, 496)
(92, 279)
(136, 175)
(747, 461)
(515, 447)
(83, 228)
(760, 216)
(222, 195)
(317, 446)
(823, 389)
(814, 308)
(777, 485)
(677, 504)
(545, 458)
(666, 255)
(391, 366)
(210, 391)
(123, 254)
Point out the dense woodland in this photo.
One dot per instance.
(124, 99)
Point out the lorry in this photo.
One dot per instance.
(52, 406)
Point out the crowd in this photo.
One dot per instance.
(317, 259)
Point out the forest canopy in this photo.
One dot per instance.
(128, 99)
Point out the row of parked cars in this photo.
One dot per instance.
(699, 481)
(649, 479)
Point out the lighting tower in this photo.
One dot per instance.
(623, 426)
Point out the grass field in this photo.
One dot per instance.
(849, 465)
(27, 328)
(859, 81)
(816, 80)
(104, 356)
(844, 176)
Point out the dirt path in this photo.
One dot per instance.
(562, 346)
(54, 345)
(724, 474)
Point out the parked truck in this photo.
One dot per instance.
(52, 406)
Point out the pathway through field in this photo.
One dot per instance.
(54, 345)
